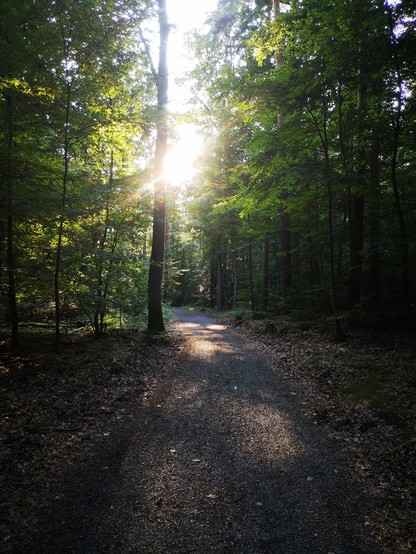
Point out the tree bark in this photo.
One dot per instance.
(219, 283)
(339, 331)
(266, 269)
(212, 284)
(374, 215)
(250, 274)
(357, 198)
(286, 256)
(155, 314)
(62, 218)
(285, 238)
(10, 254)
(235, 278)
(99, 309)
(356, 246)
(397, 128)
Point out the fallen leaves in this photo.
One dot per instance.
(54, 409)
(375, 436)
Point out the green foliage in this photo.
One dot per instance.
(302, 109)
(78, 88)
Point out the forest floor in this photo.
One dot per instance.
(362, 393)
(58, 411)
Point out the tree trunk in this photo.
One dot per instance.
(250, 274)
(62, 218)
(397, 125)
(339, 331)
(107, 281)
(235, 278)
(285, 239)
(266, 264)
(10, 255)
(219, 283)
(374, 215)
(212, 284)
(100, 310)
(155, 316)
(356, 212)
(286, 256)
(356, 246)
(404, 243)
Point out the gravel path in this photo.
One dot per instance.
(219, 459)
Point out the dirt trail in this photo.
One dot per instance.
(219, 459)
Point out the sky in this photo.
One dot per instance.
(185, 15)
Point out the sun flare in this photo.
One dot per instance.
(182, 155)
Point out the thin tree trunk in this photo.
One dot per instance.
(286, 256)
(10, 255)
(250, 274)
(100, 310)
(107, 282)
(285, 236)
(266, 264)
(212, 284)
(155, 316)
(339, 331)
(219, 283)
(224, 282)
(374, 215)
(62, 218)
(397, 125)
(404, 243)
(356, 246)
(356, 211)
(235, 278)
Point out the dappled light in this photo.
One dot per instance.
(180, 177)
(273, 439)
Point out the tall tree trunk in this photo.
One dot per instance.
(61, 222)
(356, 212)
(286, 256)
(285, 238)
(356, 246)
(397, 127)
(212, 284)
(107, 281)
(374, 215)
(155, 316)
(266, 270)
(10, 254)
(235, 277)
(224, 282)
(99, 309)
(219, 283)
(404, 242)
(323, 133)
(250, 274)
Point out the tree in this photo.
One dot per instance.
(155, 319)
(323, 144)
(77, 93)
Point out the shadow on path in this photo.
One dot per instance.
(219, 459)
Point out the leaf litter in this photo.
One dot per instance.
(56, 409)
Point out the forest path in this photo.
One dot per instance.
(219, 459)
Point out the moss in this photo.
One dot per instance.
(370, 389)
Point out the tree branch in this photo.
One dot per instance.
(148, 54)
